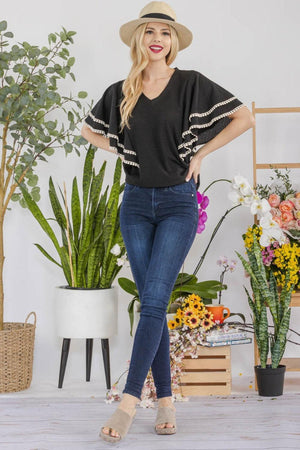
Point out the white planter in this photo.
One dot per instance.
(86, 313)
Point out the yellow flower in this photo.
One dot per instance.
(172, 324)
(194, 297)
(186, 320)
(207, 324)
(208, 315)
(179, 313)
(188, 312)
(194, 321)
(178, 321)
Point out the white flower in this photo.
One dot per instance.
(115, 250)
(241, 183)
(239, 199)
(259, 206)
(121, 261)
(271, 231)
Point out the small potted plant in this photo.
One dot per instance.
(91, 254)
(185, 284)
(267, 294)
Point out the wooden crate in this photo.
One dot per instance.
(209, 374)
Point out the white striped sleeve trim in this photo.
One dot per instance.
(98, 120)
(206, 125)
(217, 105)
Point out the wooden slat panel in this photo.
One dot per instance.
(205, 377)
(277, 110)
(292, 364)
(295, 300)
(206, 390)
(214, 351)
(278, 166)
(204, 364)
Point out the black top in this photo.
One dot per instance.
(165, 132)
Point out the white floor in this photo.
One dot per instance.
(47, 418)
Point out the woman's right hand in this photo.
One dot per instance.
(96, 139)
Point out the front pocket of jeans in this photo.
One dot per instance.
(129, 187)
(184, 188)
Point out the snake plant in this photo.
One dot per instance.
(89, 227)
(266, 294)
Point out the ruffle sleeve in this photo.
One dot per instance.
(104, 118)
(206, 113)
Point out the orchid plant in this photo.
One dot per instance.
(227, 265)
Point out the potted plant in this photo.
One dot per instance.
(267, 294)
(91, 255)
(30, 132)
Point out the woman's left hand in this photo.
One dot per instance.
(194, 168)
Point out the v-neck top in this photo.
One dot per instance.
(166, 131)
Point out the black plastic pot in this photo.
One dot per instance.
(270, 381)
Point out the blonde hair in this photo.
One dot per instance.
(133, 85)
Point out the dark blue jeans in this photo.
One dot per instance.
(158, 226)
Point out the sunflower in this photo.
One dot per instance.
(208, 315)
(186, 320)
(187, 304)
(178, 321)
(194, 297)
(172, 324)
(207, 324)
(179, 313)
(194, 321)
(188, 312)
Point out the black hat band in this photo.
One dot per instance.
(158, 16)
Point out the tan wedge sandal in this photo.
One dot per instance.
(120, 421)
(165, 414)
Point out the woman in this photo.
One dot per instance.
(162, 121)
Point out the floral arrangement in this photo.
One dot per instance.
(283, 206)
(284, 202)
(191, 314)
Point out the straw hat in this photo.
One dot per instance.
(157, 12)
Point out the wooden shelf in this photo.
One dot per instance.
(292, 364)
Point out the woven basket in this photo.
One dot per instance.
(16, 355)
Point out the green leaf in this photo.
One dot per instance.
(68, 147)
(128, 286)
(49, 151)
(76, 212)
(9, 34)
(71, 61)
(47, 255)
(43, 61)
(82, 94)
(3, 25)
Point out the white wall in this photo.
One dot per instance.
(250, 48)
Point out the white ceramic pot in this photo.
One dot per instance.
(86, 313)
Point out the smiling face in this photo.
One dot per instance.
(157, 40)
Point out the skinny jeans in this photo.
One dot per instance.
(158, 226)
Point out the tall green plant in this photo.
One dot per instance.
(266, 294)
(89, 228)
(35, 119)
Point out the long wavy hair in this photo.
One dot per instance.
(133, 85)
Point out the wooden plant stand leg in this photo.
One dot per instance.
(89, 354)
(105, 354)
(63, 360)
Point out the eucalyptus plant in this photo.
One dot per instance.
(35, 119)
(266, 294)
(185, 284)
(90, 228)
